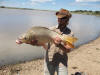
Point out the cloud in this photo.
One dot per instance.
(90, 5)
(30, 3)
(53, 3)
(12, 3)
(15, 3)
(87, 0)
(36, 2)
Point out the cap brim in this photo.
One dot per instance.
(60, 16)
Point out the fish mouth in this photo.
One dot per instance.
(19, 42)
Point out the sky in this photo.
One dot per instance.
(71, 5)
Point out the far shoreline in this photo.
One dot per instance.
(83, 12)
(25, 8)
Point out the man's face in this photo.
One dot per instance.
(63, 21)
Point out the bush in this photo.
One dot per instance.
(2, 6)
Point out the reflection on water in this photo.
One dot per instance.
(14, 22)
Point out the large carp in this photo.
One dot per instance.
(44, 35)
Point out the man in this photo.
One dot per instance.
(56, 54)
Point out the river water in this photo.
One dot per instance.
(13, 22)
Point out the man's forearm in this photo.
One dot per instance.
(63, 48)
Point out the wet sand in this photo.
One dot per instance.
(85, 58)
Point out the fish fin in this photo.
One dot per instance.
(69, 40)
(69, 44)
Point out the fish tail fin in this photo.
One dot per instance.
(69, 40)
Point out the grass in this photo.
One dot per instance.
(96, 13)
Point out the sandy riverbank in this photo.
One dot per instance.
(85, 58)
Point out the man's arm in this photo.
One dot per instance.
(58, 40)
(66, 50)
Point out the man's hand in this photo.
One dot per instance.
(65, 49)
(57, 40)
(68, 48)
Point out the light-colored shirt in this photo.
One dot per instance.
(52, 48)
